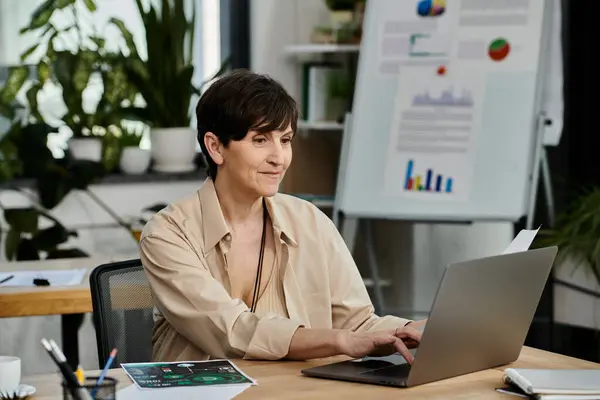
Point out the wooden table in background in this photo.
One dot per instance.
(70, 302)
(283, 380)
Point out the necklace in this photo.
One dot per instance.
(260, 258)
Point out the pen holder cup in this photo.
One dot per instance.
(105, 391)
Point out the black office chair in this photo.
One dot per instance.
(122, 311)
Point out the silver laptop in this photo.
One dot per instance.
(479, 319)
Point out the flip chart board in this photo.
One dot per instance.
(445, 111)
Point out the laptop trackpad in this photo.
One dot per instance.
(394, 365)
(395, 371)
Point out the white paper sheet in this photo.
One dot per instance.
(132, 392)
(68, 277)
(522, 241)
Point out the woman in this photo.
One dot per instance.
(238, 270)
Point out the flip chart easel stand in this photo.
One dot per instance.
(351, 224)
(541, 167)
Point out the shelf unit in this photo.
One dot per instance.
(350, 53)
(320, 125)
(321, 51)
(312, 49)
(321, 48)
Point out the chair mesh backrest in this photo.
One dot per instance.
(123, 309)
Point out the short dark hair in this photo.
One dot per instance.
(240, 102)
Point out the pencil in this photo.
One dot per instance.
(77, 391)
(110, 360)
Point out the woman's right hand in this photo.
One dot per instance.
(380, 343)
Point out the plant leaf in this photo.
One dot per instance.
(22, 219)
(49, 238)
(16, 78)
(84, 172)
(29, 52)
(90, 5)
(32, 95)
(98, 41)
(43, 71)
(141, 114)
(40, 16)
(33, 150)
(13, 238)
(52, 186)
(127, 35)
(191, 35)
(577, 233)
(27, 251)
(66, 253)
(51, 51)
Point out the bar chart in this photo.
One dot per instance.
(430, 181)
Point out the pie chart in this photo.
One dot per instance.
(431, 8)
(498, 49)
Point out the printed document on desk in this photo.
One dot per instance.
(66, 277)
(522, 241)
(162, 375)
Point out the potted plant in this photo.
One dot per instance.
(165, 81)
(73, 71)
(346, 17)
(577, 234)
(33, 232)
(134, 160)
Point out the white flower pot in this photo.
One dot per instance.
(173, 149)
(89, 148)
(134, 161)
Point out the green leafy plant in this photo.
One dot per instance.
(71, 69)
(164, 79)
(342, 5)
(33, 232)
(577, 233)
(12, 396)
(130, 136)
(10, 164)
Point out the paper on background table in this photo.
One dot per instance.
(66, 277)
(132, 392)
(522, 241)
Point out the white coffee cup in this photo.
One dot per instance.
(10, 374)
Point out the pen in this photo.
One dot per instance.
(111, 358)
(79, 374)
(77, 391)
(8, 278)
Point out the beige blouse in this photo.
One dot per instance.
(315, 282)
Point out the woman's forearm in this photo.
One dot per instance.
(314, 343)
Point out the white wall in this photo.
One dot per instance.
(276, 23)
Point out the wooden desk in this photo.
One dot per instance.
(70, 302)
(283, 380)
(50, 300)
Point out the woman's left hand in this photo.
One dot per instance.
(418, 325)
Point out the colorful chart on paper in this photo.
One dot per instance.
(431, 8)
(181, 374)
(498, 49)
